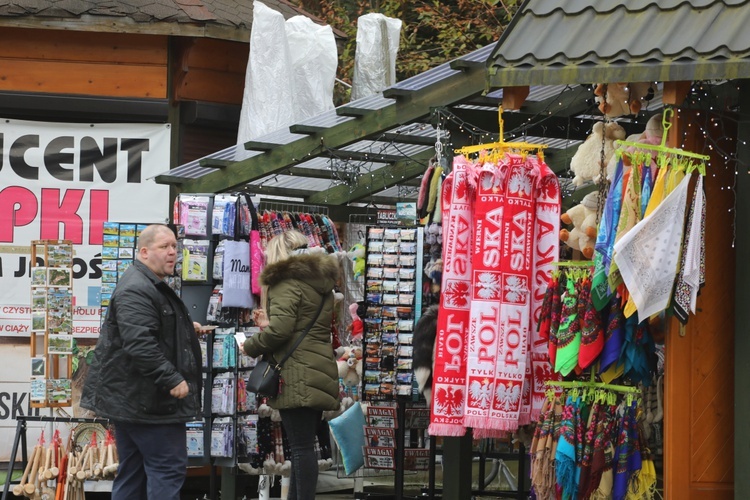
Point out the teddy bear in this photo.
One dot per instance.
(618, 99)
(350, 366)
(583, 217)
(652, 135)
(587, 160)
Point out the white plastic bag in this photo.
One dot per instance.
(375, 57)
(314, 60)
(290, 74)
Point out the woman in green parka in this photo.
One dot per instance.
(297, 280)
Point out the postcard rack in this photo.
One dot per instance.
(51, 323)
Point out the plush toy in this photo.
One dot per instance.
(618, 99)
(652, 135)
(357, 254)
(350, 366)
(583, 217)
(357, 327)
(587, 160)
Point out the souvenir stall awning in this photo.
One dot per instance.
(613, 41)
(373, 150)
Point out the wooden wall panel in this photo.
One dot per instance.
(211, 86)
(100, 64)
(56, 45)
(211, 71)
(219, 55)
(699, 378)
(81, 78)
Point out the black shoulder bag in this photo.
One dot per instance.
(265, 379)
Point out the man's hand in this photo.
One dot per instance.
(180, 390)
(201, 328)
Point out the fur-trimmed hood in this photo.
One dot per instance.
(319, 270)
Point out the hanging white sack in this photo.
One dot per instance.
(375, 56)
(267, 102)
(237, 275)
(314, 60)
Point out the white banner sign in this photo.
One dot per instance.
(63, 181)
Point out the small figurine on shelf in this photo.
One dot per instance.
(350, 373)
(357, 327)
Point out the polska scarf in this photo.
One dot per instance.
(449, 375)
(500, 326)
(546, 252)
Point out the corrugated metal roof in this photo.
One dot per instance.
(225, 19)
(588, 41)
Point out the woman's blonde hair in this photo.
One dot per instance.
(281, 246)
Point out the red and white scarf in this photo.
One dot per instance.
(449, 374)
(501, 301)
(546, 253)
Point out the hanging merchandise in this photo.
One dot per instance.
(449, 376)
(224, 215)
(591, 447)
(693, 266)
(195, 260)
(579, 336)
(218, 267)
(640, 252)
(237, 275)
(192, 212)
(507, 203)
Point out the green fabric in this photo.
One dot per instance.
(569, 333)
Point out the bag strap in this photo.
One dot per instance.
(302, 335)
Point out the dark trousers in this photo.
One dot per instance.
(153, 461)
(300, 425)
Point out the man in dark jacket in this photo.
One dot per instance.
(146, 374)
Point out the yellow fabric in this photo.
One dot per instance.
(643, 484)
(630, 215)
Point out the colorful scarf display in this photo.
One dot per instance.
(597, 449)
(449, 375)
(500, 244)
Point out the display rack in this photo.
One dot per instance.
(51, 335)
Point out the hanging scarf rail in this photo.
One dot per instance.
(573, 263)
(664, 151)
(279, 206)
(578, 384)
(501, 145)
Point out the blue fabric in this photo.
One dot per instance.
(348, 431)
(153, 461)
(605, 240)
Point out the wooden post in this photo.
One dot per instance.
(514, 97)
(675, 92)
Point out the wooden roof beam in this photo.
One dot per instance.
(374, 182)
